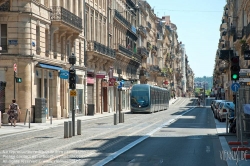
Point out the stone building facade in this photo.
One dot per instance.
(112, 40)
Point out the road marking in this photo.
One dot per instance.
(131, 145)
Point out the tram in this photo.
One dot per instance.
(148, 98)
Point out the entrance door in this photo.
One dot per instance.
(105, 99)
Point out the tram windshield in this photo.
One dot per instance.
(139, 98)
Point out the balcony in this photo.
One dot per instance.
(142, 51)
(148, 26)
(125, 51)
(4, 6)
(154, 68)
(131, 3)
(60, 14)
(142, 30)
(136, 57)
(101, 49)
(225, 54)
(122, 19)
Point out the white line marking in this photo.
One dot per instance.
(129, 146)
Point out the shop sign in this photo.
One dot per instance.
(112, 81)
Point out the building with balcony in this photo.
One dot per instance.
(39, 36)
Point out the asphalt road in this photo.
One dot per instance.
(189, 141)
(181, 135)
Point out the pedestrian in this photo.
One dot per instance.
(13, 112)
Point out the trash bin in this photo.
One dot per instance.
(91, 109)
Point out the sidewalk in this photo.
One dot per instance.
(224, 139)
(20, 127)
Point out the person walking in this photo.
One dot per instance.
(13, 112)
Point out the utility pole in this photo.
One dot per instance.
(119, 71)
(72, 86)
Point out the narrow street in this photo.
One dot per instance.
(181, 133)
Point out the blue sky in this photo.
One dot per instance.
(198, 23)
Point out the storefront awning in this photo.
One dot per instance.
(47, 66)
(90, 80)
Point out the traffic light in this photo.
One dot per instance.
(235, 68)
(18, 80)
(234, 99)
(72, 78)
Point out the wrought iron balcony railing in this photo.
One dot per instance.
(126, 51)
(142, 51)
(100, 48)
(5, 7)
(136, 57)
(155, 68)
(122, 19)
(142, 30)
(61, 14)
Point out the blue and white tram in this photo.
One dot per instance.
(148, 98)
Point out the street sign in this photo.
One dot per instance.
(72, 92)
(245, 83)
(235, 87)
(244, 70)
(244, 79)
(127, 84)
(15, 67)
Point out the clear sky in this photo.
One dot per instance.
(198, 23)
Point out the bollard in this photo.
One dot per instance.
(29, 119)
(115, 119)
(226, 123)
(70, 129)
(79, 126)
(120, 117)
(123, 117)
(51, 116)
(66, 129)
(25, 116)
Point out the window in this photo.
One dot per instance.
(3, 34)
(38, 49)
(46, 40)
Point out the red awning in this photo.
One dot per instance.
(90, 80)
(100, 75)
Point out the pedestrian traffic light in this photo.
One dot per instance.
(234, 99)
(235, 68)
(18, 80)
(72, 78)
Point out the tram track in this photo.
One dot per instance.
(92, 134)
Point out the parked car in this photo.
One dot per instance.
(225, 107)
(216, 107)
(212, 105)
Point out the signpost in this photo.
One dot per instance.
(15, 70)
